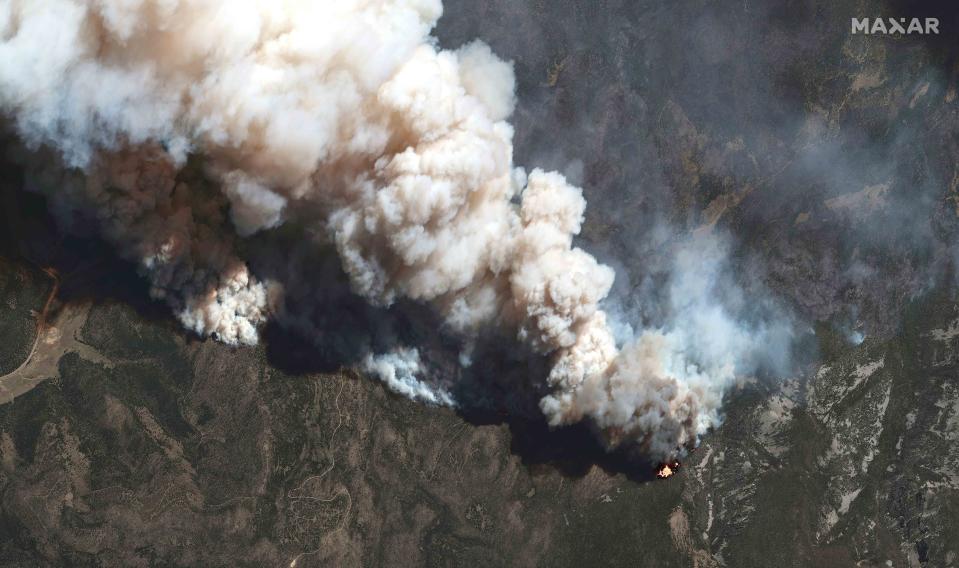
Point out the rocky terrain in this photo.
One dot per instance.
(828, 159)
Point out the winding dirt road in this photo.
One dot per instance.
(55, 337)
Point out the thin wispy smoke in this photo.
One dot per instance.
(344, 121)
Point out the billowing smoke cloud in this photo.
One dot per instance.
(399, 370)
(343, 120)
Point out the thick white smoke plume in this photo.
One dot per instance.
(343, 118)
(399, 370)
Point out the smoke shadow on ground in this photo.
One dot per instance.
(486, 401)
(503, 386)
(572, 450)
(495, 390)
(326, 328)
(87, 268)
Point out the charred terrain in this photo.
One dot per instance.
(828, 160)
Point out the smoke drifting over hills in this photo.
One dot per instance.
(345, 123)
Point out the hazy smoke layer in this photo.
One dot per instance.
(344, 120)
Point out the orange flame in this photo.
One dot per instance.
(668, 469)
